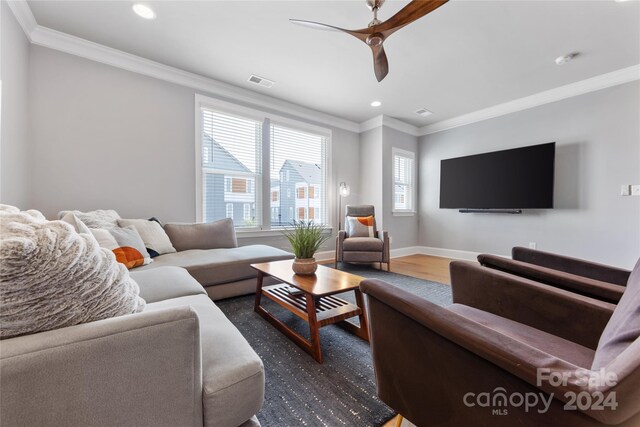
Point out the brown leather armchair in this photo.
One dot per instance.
(502, 344)
(579, 267)
(588, 286)
(362, 249)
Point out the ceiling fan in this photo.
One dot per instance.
(377, 31)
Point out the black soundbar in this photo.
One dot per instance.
(500, 211)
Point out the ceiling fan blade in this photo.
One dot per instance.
(360, 34)
(316, 25)
(411, 12)
(380, 63)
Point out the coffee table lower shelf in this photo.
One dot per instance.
(317, 311)
(329, 309)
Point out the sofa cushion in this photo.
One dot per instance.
(125, 243)
(216, 266)
(232, 373)
(559, 347)
(360, 226)
(210, 235)
(52, 277)
(363, 244)
(154, 237)
(95, 219)
(166, 282)
(624, 326)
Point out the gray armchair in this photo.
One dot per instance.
(363, 249)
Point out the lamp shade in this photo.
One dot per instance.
(344, 189)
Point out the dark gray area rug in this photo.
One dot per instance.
(339, 392)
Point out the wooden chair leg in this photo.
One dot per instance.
(389, 266)
(399, 419)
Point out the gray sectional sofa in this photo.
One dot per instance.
(180, 362)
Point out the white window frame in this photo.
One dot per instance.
(398, 152)
(263, 198)
(227, 210)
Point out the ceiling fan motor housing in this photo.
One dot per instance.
(375, 39)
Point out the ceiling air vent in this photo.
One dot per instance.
(424, 112)
(261, 81)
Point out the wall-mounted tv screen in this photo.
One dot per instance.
(520, 178)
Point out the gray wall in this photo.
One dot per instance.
(14, 144)
(402, 229)
(108, 138)
(370, 172)
(598, 149)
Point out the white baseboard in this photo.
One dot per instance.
(399, 252)
(448, 253)
(415, 250)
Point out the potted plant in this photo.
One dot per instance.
(305, 238)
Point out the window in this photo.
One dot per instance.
(302, 156)
(403, 181)
(239, 185)
(312, 213)
(233, 160)
(244, 153)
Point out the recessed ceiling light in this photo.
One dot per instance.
(376, 103)
(565, 58)
(144, 11)
(621, 1)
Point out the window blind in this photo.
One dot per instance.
(403, 182)
(230, 167)
(298, 163)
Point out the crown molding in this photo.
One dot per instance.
(373, 123)
(24, 16)
(389, 122)
(603, 81)
(401, 126)
(63, 42)
(56, 40)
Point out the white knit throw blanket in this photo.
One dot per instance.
(52, 277)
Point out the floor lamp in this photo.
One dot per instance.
(343, 191)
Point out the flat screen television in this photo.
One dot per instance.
(520, 178)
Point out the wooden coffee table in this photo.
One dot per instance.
(316, 305)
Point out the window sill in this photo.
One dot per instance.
(250, 234)
(403, 213)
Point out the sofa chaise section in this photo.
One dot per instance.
(224, 272)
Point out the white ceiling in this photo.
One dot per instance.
(465, 56)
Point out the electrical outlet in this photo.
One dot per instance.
(625, 190)
(533, 245)
(635, 190)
